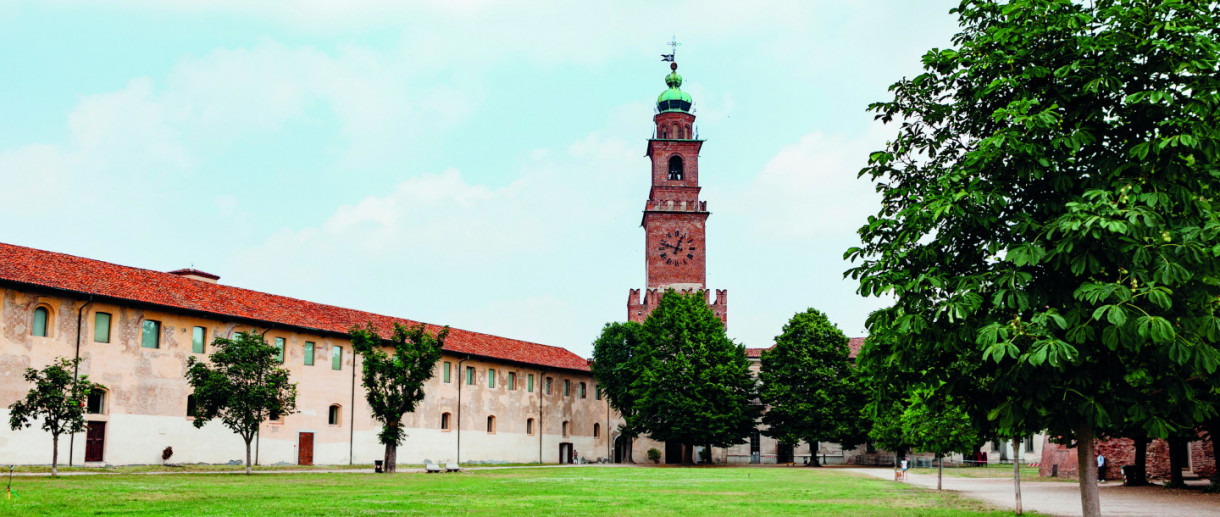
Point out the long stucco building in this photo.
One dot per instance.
(134, 330)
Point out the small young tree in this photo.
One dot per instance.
(394, 384)
(693, 383)
(938, 426)
(612, 367)
(809, 385)
(242, 387)
(56, 398)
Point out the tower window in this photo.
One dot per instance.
(675, 168)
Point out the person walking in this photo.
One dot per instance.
(1101, 468)
(905, 464)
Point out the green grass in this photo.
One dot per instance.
(990, 471)
(586, 490)
(208, 467)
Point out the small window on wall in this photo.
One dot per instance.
(491, 424)
(444, 421)
(469, 375)
(336, 358)
(191, 410)
(332, 416)
(582, 390)
(1029, 444)
(41, 317)
(675, 168)
(198, 340)
(512, 380)
(597, 430)
(491, 377)
(529, 383)
(567, 387)
(565, 429)
(96, 404)
(150, 335)
(548, 385)
(445, 371)
(101, 327)
(529, 426)
(279, 349)
(275, 417)
(597, 392)
(310, 350)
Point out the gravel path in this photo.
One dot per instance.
(1059, 498)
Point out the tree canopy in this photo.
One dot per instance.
(57, 398)
(242, 386)
(810, 387)
(693, 384)
(394, 384)
(613, 367)
(1048, 211)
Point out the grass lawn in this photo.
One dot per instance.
(207, 467)
(580, 490)
(990, 471)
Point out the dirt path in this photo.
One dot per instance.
(1059, 498)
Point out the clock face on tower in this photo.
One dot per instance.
(676, 249)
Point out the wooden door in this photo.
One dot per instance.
(305, 449)
(95, 440)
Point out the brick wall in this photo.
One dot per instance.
(1121, 451)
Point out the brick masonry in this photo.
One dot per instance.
(1121, 451)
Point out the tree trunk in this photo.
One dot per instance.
(391, 458)
(1016, 471)
(814, 447)
(940, 471)
(630, 445)
(1139, 471)
(1086, 466)
(1177, 448)
(55, 455)
(248, 456)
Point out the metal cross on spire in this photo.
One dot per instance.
(673, 46)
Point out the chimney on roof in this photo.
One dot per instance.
(195, 274)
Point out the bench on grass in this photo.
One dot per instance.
(430, 467)
(452, 467)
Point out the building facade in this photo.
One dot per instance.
(492, 399)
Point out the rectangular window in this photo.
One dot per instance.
(512, 380)
(567, 388)
(548, 385)
(96, 402)
(336, 358)
(309, 352)
(529, 383)
(279, 349)
(445, 371)
(151, 335)
(190, 406)
(491, 377)
(198, 339)
(597, 392)
(582, 390)
(469, 375)
(101, 327)
(1029, 444)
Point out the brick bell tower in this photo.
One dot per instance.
(675, 220)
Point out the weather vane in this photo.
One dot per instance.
(673, 46)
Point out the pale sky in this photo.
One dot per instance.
(472, 163)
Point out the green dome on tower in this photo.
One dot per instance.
(674, 99)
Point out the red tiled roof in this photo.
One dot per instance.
(88, 276)
(853, 348)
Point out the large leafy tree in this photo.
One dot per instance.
(241, 384)
(1048, 207)
(693, 383)
(613, 352)
(57, 398)
(810, 386)
(394, 383)
(936, 424)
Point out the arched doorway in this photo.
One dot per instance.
(621, 445)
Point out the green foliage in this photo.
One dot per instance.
(394, 384)
(654, 455)
(810, 386)
(613, 352)
(57, 398)
(693, 384)
(1048, 214)
(242, 386)
(936, 424)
